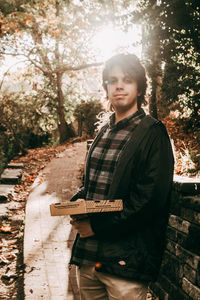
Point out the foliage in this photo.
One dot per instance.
(171, 54)
(3, 159)
(102, 119)
(86, 114)
(186, 144)
(23, 118)
(181, 80)
(54, 44)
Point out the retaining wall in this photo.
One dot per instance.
(179, 277)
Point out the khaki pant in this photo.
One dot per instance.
(95, 285)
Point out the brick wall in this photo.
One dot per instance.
(179, 277)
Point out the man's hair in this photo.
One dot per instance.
(131, 66)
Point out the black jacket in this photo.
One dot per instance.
(132, 241)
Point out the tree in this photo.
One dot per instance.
(51, 42)
(171, 54)
(56, 40)
(181, 81)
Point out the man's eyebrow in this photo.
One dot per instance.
(112, 76)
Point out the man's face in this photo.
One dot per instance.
(122, 91)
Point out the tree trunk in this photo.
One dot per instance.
(156, 72)
(153, 102)
(65, 130)
(80, 124)
(151, 54)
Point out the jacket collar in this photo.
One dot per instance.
(134, 118)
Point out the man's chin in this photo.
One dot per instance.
(123, 108)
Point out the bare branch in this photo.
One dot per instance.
(47, 73)
(11, 54)
(38, 66)
(5, 74)
(62, 69)
(78, 68)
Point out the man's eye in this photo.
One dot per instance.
(128, 80)
(112, 80)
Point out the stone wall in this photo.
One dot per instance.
(179, 277)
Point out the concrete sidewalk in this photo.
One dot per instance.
(48, 240)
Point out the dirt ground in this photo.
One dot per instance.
(12, 222)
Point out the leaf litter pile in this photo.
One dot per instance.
(186, 142)
(12, 222)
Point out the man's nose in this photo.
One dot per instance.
(120, 84)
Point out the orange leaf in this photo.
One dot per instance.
(5, 228)
(11, 256)
(29, 179)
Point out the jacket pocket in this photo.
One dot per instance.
(124, 258)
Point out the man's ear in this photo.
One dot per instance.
(106, 91)
(105, 87)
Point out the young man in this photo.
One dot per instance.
(119, 253)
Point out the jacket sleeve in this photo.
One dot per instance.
(80, 194)
(149, 185)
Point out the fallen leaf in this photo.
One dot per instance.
(5, 228)
(11, 256)
(11, 243)
(3, 260)
(29, 179)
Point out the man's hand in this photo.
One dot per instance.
(82, 225)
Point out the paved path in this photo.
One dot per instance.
(47, 239)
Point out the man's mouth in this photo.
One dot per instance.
(119, 95)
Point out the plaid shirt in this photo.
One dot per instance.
(101, 165)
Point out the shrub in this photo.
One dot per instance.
(86, 115)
